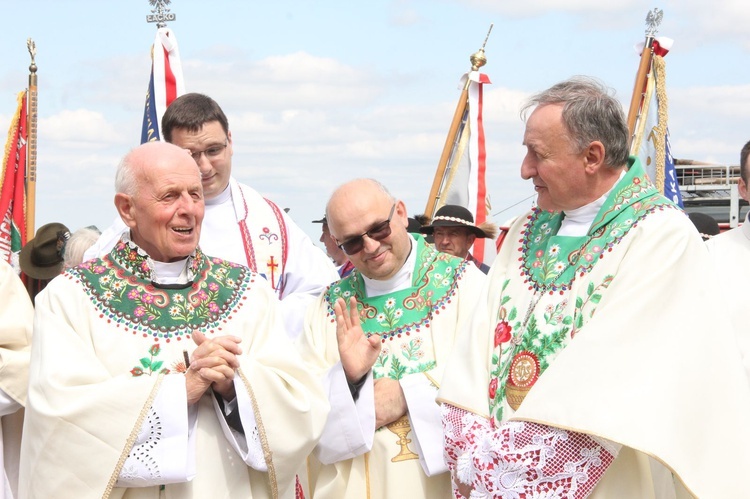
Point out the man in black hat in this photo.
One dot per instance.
(41, 259)
(454, 232)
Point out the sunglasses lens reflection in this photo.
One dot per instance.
(378, 233)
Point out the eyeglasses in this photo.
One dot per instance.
(212, 152)
(377, 232)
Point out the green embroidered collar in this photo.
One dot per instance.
(119, 285)
(434, 284)
(551, 261)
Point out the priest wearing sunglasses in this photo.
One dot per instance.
(379, 339)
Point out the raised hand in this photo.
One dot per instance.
(212, 365)
(358, 352)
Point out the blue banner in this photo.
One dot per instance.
(150, 130)
(671, 187)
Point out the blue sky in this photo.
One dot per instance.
(321, 92)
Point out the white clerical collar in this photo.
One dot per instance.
(746, 226)
(578, 221)
(165, 273)
(221, 198)
(169, 272)
(401, 280)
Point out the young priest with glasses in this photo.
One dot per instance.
(379, 339)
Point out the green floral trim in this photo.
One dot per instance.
(119, 285)
(148, 365)
(404, 314)
(550, 264)
(553, 262)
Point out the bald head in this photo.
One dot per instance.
(160, 197)
(358, 207)
(151, 155)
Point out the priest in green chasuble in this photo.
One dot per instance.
(598, 363)
(379, 339)
(159, 371)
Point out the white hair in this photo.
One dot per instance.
(76, 246)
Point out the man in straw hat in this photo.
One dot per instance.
(454, 232)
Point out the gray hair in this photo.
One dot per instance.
(125, 182)
(76, 246)
(590, 113)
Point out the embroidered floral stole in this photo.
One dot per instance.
(403, 318)
(119, 285)
(526, 340)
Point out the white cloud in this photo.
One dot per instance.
(532, 8)
(79, 128)
(297, 80)
(709, 122)
(717, 21)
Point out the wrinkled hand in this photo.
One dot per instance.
(212, 365)
(358, 352)
(390, 403)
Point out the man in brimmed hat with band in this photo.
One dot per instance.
(454, 232)
(42, 258)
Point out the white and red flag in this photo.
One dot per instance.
(461, 179)
(165, 85)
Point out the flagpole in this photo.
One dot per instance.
(477, 60)
(31, 128)
(653, 19)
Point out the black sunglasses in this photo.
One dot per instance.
(377, 232)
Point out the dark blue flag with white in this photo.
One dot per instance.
(165, 84)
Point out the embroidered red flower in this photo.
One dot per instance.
(502, 332)
(493, 388)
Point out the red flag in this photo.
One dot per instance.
(13, 187)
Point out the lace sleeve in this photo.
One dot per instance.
(521, 459)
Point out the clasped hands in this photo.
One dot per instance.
(358, 354)
(212, 365)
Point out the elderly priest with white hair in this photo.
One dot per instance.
(159, 371)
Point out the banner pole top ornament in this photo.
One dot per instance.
(477, 58)
(160, 13)
(32, 52)
(653, 20)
